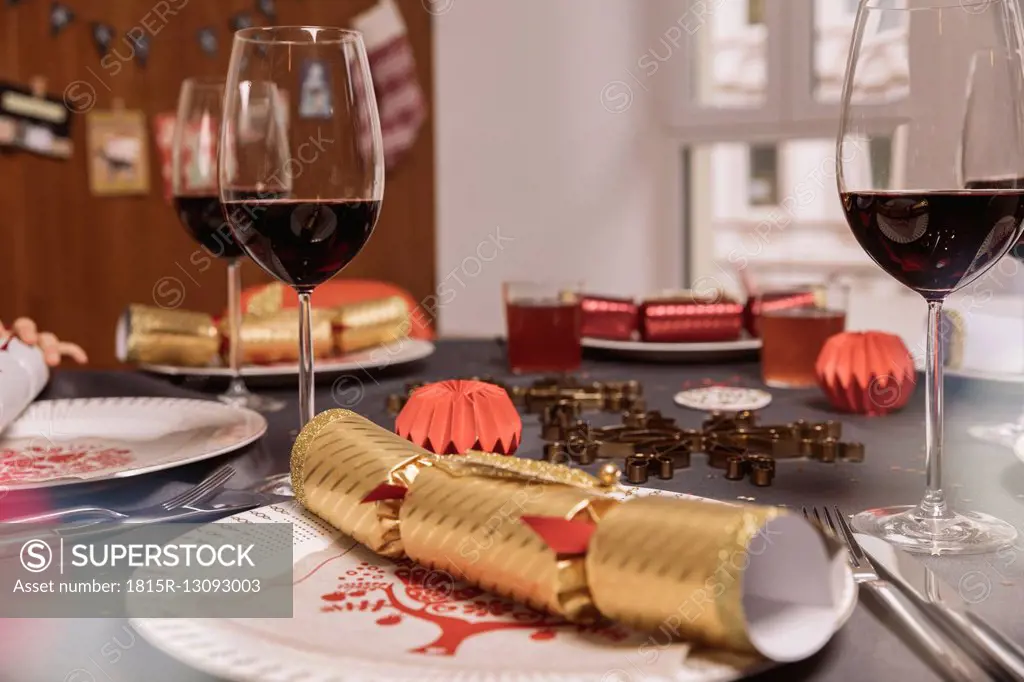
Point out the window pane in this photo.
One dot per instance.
(887, 53)
(731, 67)
(791, 225)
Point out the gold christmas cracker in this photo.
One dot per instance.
(157, 336)
(275, 337)
(473, 530)
(268, 301)
(459, 514)
(338, 459)
(269, 332)
(657, 564)
(676, 565)
(370, 323)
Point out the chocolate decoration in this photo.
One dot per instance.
(827, 450)
(636, 470)
(650, 443)
(736, 468)
(666, 467)
(762, 474)
(556, 452)
(851, 452)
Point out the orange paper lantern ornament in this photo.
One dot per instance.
(866, 372)
(453, 417)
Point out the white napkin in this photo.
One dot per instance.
(23, 375)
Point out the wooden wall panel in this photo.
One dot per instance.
(74, 261)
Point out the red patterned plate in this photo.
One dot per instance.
(59, 442)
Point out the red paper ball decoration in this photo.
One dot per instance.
(453, 417)
(866, 372)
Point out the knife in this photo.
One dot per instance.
(944, 606)
(225, 503)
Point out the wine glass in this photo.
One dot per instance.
(301, 163)
(197, 202)
(988, 70)
(925, 226)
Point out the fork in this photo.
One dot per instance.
(201, 491)
(953, 662)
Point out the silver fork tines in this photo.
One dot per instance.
(212, 482)
(952, 661)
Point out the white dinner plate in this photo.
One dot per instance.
(60, 442)
(357, 618)
(676, 352)
(392, 355)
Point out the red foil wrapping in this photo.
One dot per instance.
(685, 318)
(773, 301)
(610, 318)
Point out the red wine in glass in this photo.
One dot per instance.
(302, 243)
(1017, 251)
(203, 218)
(935, 242)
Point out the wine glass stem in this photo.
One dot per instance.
(306, 408)
(235, 325)
(934, 503)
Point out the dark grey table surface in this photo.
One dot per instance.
(978, 475)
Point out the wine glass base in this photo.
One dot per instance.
(253, 401)
(1006, 434)
(962, 533)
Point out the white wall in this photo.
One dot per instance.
(527, 149)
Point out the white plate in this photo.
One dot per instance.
(355, 621)
(59, 442)
(398, 353)
(676, 352)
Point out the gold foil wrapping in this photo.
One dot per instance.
(339, 459)
(657, 564)
(676, 565)
(157, 336)
(370, 323)
(475, 532)
(275, 338)
(269, 332)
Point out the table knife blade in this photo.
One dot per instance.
(945, 606)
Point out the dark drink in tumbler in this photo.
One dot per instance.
(792, 339)
(544, 328)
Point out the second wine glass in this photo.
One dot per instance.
(928, 226)
(301, 163)
(197, 202)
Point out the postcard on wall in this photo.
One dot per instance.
(163, 136)
(118, 152)
(33, 121)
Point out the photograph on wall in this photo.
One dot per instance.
(33, 121)
(118, 154)
(163, 137)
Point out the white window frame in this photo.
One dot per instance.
(789, 111)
